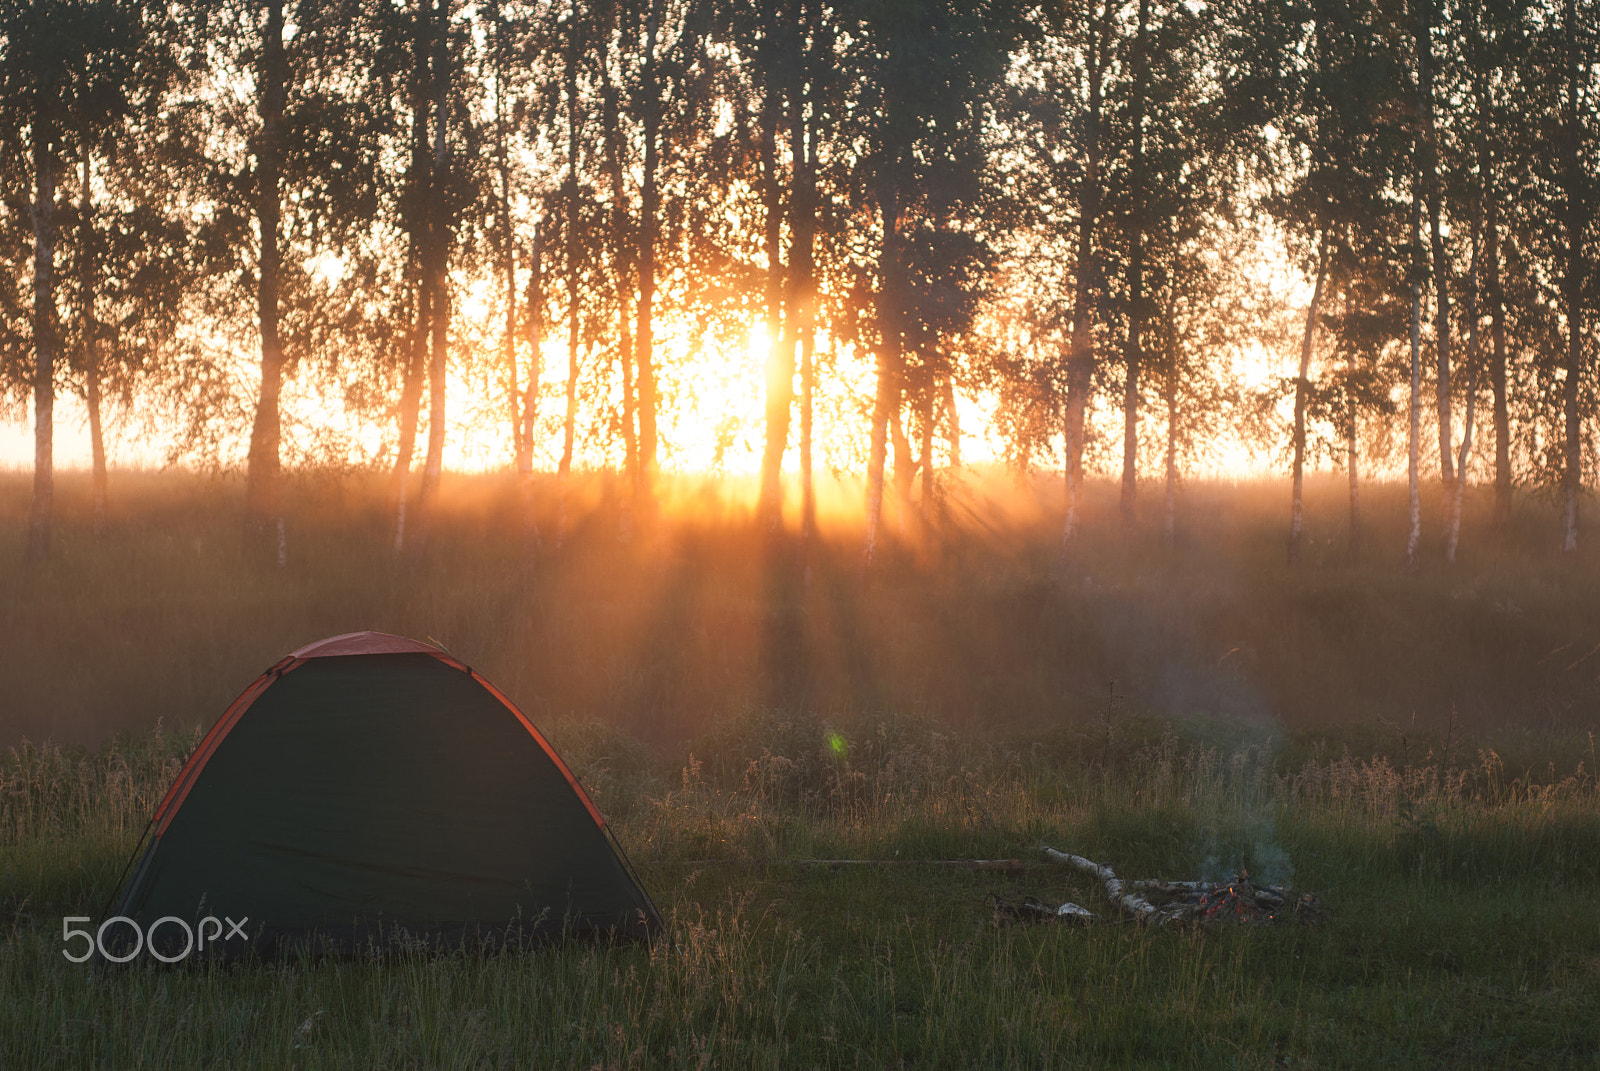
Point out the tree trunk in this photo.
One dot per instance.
(97, 448)
(1080, 358)
(1302, 385)
(433, 468)
(1572, 471)
(1352, 459)
(1441, 262)
(1414, 427)
(569, 421)
(633, 499)
(410, 408)
(1352, 453)
(263, 496)
(91, 354)
(437, 271)
(780, 350)
(508, 253)
(574, 309)
(1572, 282)
(925, 463)
(44, 337)
(649, 224)
(808, 491)
(905, 467)
(1489, 193)
(530, 397)
(952, 425)
(1458, 493)
(802, 280)
(624, 285)
(1454, 537)
(1497, 366)
(1414, 434)
(1169, 510)
(888, 395)
(521, 423)
(1130, 390)
(534, 303)
(419, 195)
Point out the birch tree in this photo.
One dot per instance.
(920, 76)
(65, 74)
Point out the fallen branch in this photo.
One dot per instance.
(1117, 890)
(1169, 886)
(1010, 866)
(1239, 898)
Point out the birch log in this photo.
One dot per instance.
(1118, 891)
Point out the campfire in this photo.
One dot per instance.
(1238, 899)
(1157, 903)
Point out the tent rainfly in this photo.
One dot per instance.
(371, 787)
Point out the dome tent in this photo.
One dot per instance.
(368, 787)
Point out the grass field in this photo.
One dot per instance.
(1463, 928)
(163, 617)
(1419, 751)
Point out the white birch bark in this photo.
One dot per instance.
(44, 343)
(1413, 431)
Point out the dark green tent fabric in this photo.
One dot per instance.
(384, 794)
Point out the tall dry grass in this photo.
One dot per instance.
(983, 625)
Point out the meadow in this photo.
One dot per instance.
(1419, 751)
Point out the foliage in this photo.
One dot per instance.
(690, 168)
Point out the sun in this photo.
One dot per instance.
(714, 419)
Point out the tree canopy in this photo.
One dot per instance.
(292, 230)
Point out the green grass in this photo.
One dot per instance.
(1417, 750)
(1463, 927)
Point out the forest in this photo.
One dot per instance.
(272, 238)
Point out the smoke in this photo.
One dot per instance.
(1250, 844)
(1229, 723)
(1160, 644)
(1269, 863)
